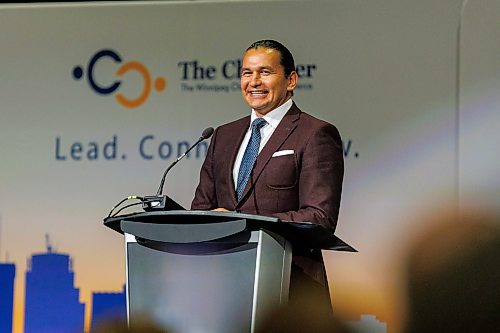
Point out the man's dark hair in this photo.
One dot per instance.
(286, 58)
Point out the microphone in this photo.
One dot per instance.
(158, 201)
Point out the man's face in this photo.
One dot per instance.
(263, 82)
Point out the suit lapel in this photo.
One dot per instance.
(284, 129)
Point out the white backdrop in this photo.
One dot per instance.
(384, 72)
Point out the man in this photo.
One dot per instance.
(279, 161)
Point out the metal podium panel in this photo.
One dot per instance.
(192, 288)
(272, 276)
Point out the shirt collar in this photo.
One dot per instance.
(274, 117)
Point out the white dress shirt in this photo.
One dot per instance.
(273, 119)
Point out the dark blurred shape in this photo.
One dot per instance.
(453, 279)
(143, 325)
(305, 313)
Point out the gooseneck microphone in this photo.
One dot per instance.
(158, 201)
(204, 135)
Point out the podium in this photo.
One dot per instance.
(201, 271)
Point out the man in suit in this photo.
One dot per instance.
(278, 161)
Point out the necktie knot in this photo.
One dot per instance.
(258, 123)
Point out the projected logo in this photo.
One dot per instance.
(132, 100)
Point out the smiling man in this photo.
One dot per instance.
(265, 83)
(278, 161)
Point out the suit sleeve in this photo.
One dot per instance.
(205, 197)
(320, 179)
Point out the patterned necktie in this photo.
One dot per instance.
(249, 157)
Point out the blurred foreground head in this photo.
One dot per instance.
(453, 281)
(303, 315)
(142, 325)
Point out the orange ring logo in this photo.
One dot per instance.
(159, 83)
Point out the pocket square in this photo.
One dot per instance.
(283, 152)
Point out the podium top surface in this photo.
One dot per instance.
(309, 235)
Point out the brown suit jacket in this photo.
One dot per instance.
(304, 186)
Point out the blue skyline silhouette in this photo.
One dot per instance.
(7, 276)
(51, 300)
(108, 306)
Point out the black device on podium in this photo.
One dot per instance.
(204, 271)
